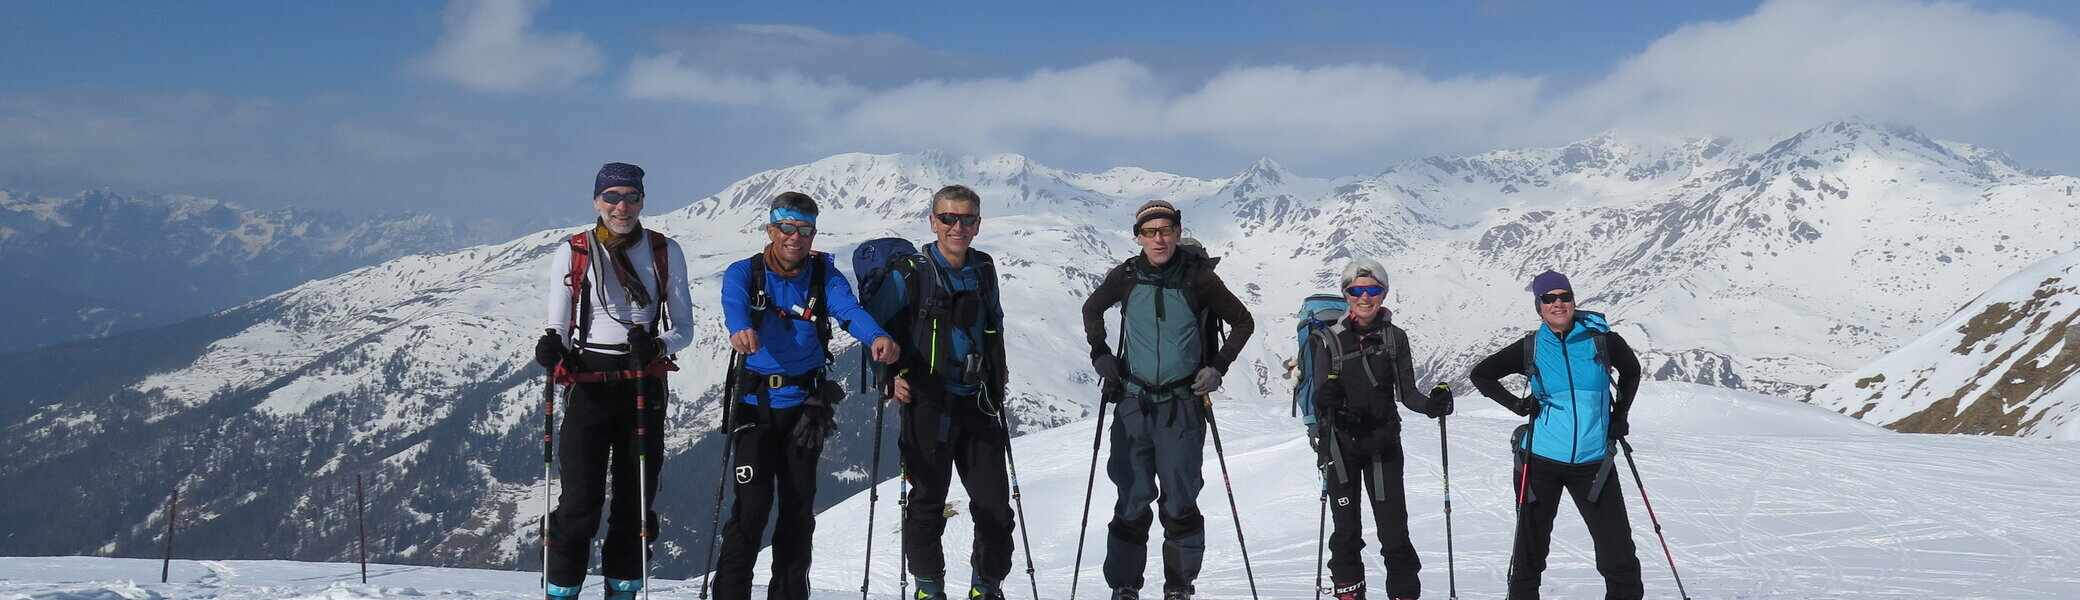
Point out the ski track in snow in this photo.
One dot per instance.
(1860, 515)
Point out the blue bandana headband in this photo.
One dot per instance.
(783, 214)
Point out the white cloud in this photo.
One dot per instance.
(1108, 100)
(672, 76)
(490, 45)
(1793, 64)
(2002, 79)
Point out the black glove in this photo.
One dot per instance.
(815, 425)
(644, 346)
(1440, 401)
(549, 351)
(1107, 366)
(1206, 381)
(831, 392)
(1619, 425)
(1525, 407)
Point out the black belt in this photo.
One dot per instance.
(806, 381)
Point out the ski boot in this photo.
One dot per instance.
(1178, 593)
(1349, 591)
(983, 589)
(931, 588)
(552, 591)
(623, 589)
(1126, 594)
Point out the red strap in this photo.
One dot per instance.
(564, 376)
(581, 257)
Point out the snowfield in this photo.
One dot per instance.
(1760, 498)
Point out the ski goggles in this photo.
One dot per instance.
(1567, 297)
(619, 198)
(1359, 291)
(1149, 232)
(964, 220)
(791, 229)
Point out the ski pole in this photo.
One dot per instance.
(1650, 517)
(1222, 454)
(1444, 453)
(1321, 528)
(642, 478)
(1520, 447)
(903, 528)
(729, 447)
(1083, 523)
(548, 458)
(1025, 540)
(873, 484)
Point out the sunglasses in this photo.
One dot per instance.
(959, 219)
(1567, 297)
(618, 197)
(1357, 291)
(1150, 232)
(791, 229)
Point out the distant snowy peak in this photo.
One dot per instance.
(110, 262)
(2002, 365)
(203, 229)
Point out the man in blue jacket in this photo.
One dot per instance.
(778, 305)
(1567, 444)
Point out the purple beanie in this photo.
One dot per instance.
(615, 174)
(1549, 281)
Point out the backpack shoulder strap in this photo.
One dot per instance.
(1603, 345)
(985, 278)
(1332, 339)
(819, 309)
(755, 286)
(580, 319)
(1531, 359)
(661, 262)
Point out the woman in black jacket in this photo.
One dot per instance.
(1364, 370)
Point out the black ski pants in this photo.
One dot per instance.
(598, 435)
(1382, 474)
(766, 466)
(1604, 514)
(1157, 453)
(933, 445)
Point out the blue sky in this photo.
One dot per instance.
(481, 107)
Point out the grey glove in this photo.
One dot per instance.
(1208, 380)
(1107, 366)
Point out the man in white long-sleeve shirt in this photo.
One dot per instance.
(616, 306)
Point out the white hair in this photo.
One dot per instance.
(1363, 267)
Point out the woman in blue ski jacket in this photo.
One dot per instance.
(1574, 421)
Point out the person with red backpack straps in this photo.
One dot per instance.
(616, 308)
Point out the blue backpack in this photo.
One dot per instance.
(872, 262)
(1317, 313)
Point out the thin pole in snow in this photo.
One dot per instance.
(173, 507)
(361, 523)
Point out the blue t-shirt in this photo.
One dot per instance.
(788, 346)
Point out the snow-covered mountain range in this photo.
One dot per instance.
(1767, 265)
(2002, 365)
(98, 262)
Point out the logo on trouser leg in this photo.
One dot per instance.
(1343, 500)
(744, 474)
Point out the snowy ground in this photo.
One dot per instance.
(1760, 498)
